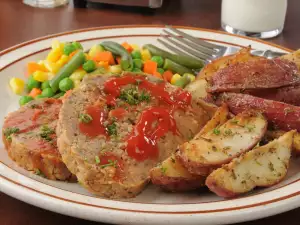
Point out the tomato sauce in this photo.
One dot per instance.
(95, 127)
(108, 159)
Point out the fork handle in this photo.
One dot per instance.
(267, 53)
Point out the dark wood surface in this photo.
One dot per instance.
(19, 23)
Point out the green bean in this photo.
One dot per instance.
(60, 94)
(76, 61)
(117, 49)
(188, 61)
(182, 82)
(175, 67)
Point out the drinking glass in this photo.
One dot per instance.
(256, 18)
(45, 3)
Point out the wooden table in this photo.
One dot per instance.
(19, 23)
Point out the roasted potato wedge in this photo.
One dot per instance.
(172, 176)
(219, 118)
(271, 135)
(294, 57)
(198, 90)
(210, 151)
(280, 115)
(243, 55)
(262, 167)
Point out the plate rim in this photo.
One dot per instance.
(5, 51)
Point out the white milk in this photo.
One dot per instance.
(254, 15)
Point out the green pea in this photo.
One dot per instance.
(45, 85)
(47, 92)
(159, 60)
(136, 70)
(77, 45)
(40, 96)
(89, 66)
(69, 48)
(160, 70)
(32, 83)
(136, 54)
(66, 84)
(25, 99)
(138, 63)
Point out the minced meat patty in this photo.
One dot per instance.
(113, 130)
(30, 139)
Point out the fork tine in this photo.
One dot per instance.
(207, 51)
(187, 49)
(195, 40)
(172, 48)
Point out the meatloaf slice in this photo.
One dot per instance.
(113, 130)
(30, 139)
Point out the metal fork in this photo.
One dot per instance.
(185, 44)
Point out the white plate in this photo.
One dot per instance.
(152, 206)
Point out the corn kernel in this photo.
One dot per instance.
(50, 76)
(77, 75)
(51, 67)
(135, 47)
(190, 76)
(54, 55)
(17, 85)
(174, 78)
(42, 64)
(115, 69)
(40, 76)
(94, 50)
(62, 61)
(55, 44)
(76, 83)
(146, 55)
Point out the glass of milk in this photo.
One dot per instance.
(255, 18)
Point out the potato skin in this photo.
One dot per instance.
(173, 177)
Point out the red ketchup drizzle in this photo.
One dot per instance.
(118, 113)
(94, 127)
(179, 98)
(142, 144)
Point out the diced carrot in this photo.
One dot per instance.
(150, 67)
(167, 75)
(35, 92)
(127, 46)
(118, 59)
(158, 75)
(73, 53)
(104, 56)
(32, 67)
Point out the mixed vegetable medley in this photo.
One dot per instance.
(66, 65)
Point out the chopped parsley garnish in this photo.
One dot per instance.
(33, 106)
(234, 121)
(110, 163)
(216, 131)
(85, 118)
(133, 97)
(97, 159)
(173, 160)
(163, 170)
(46, 133)
(214, 148)
(228, 132)
(9, 131)
(112, 129)
(39, 173)
(271, 166)
(250, 128)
